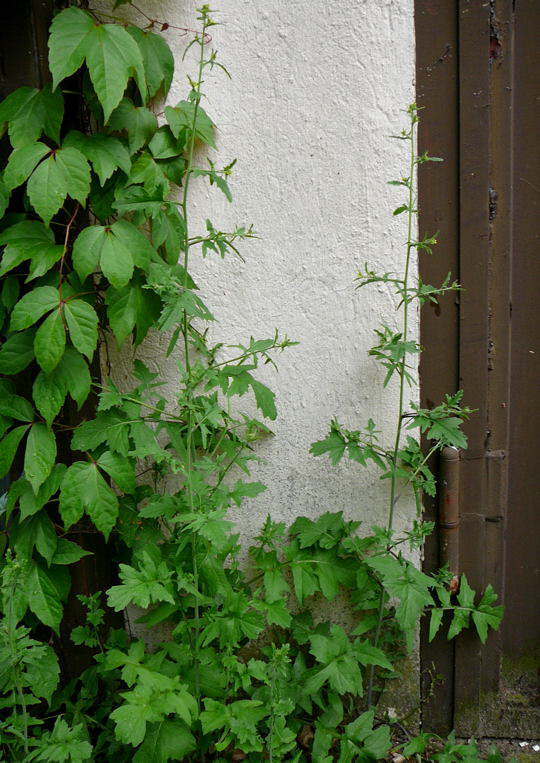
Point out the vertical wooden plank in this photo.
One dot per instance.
(437, 94)
(523, 548)
(474, 44)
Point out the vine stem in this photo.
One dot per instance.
(185, 330)
(402, 367)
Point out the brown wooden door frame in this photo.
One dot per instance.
(477, 79)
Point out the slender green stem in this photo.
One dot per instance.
(402, 369)
(185, 329)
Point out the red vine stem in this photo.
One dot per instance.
(165, 25)
(66, 242)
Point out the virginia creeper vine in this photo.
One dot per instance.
(98, 244)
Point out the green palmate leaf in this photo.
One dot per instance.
(82, 323)
(180, 118)
(334, 445)
(265, 399)
(74, 374)
(157, 58)
(115, 249)
(40, 455)
(106, 427)
(105, 153)
(32, 240)
(67, 552)
(115, 260)
(120, 469)
(29, 502)
(435, 622)
(111, 54)
(64, 744)
(164, 145)
(64, 173)
(15, 407)
(33, 306)
(83, 488)
(22, 162)
(130, 307)
(486, 615)
(149, 584)
(4, 198)
(49, 392)
(70, 32)
(42, 671)
(17, 352)
(409, 585)
(169, 739)
(50, 342)
(44, 597)
(31, 112)
(112, 57)
(8, 448)
(138, 122)
(38, 532)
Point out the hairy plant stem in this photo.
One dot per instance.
(185, 329)
(402, 367)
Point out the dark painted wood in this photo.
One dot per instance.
(496, 334)
(437, 95)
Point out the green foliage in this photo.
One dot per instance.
(100, 251)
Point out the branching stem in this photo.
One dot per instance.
(402, 375)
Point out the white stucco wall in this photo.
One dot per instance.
(316, 90)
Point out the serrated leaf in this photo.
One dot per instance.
(106, 427)
(32, 240)
(115, 249)
(29, 502)
(40, 455)
(8, 448)
(120, 469)
(70, 31)
(33, 306)
(76, 173)
(50, 342)
(44, 598)
(82, 323)
(46, 189)
(167, 740)
(144, 586)
(264, 398)
(68, 552)
(16, 407)
(105, 153)
(42, 671)
(22, 163)
(39, 532)
(30, 112)
(181, 117)
(135, 241)
(112, 57)
(49, 392)
(17, 352)
(334, 445)
(83, 488)
(435, 622)
(73, 370)
(158, 60)
(138, 122)
(64, 173)
(115, 260)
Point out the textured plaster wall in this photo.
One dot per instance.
(316, 90)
